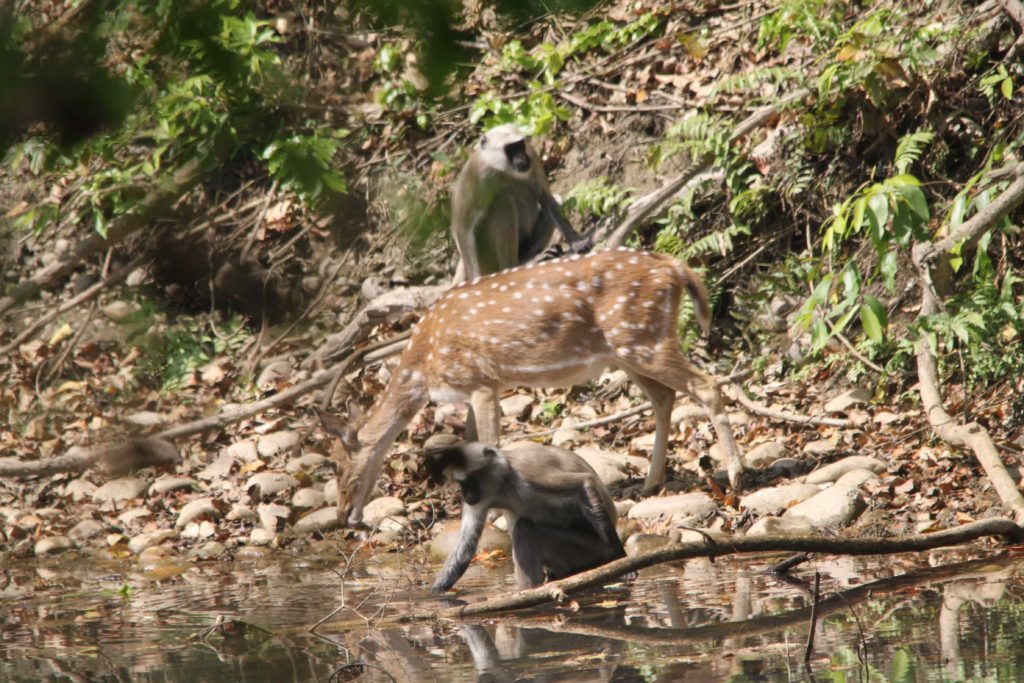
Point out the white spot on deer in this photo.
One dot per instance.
(494, 285)
(476, 280)
(517, 295)
(430, 357)
(582, 286)
(506, 309)
(575, 257)
(463, 295)
(503, 288)
(445, 351)
(529, 284)
(622, 249)
(416, 376)
(633, 260)
(548, 298)
(623, 351)
(620, 265)
(648, 304)
(443, 305)
(621, 299)
(478, 292)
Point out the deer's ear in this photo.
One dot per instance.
(342, 429)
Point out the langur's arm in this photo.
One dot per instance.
(472, 526)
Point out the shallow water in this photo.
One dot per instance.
(928, 617)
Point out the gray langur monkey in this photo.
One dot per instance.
(560, 514)
(503, 214)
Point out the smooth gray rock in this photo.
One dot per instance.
(273, 373)
(307, 498)
(146, 418)
(324, 519)
(491, 539)
(780, 526)
(197, 508)
(133, 516)
(284, 442)
(638, 543)
(271, 483)
(86, 529)
(762, 455)
(331, 490)
(516, 405)
(856, 478)
(242, 450)
(221, 468)
(775, 499)
(208, 550)
(119, 490)
(261, 536)
(79, 490)
(680, 507)
(305, 463)
(833, 508)
(149, 539)
(622, 507)
(847, 400)
(52, 545)
(165, 484)
(379, 508)
(273, 516)
(832, 472)
(239, 511)
(119, 310)
(612, 468)
(819, 447)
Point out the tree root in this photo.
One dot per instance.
(972, 435)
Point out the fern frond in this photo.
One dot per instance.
(910, 149)
(753, 80)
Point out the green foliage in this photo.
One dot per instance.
(535, 114)
(597, 198)
(538, 112)
(998, 81)
(209, 86)
(303, 164)
(749, 81)
(170, 359)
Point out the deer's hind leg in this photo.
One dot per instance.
(667, 365)
(662, 397)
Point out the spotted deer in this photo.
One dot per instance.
(555, 323)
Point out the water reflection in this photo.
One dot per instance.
(889, 619)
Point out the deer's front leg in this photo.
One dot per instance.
(488, 415)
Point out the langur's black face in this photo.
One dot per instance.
(517, 156)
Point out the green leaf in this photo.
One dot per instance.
(887, 266)
(819, 335)
(820, 294)
(1006, 87)
(878, 216)
(858, 214)
(916, 200)
(873, 318)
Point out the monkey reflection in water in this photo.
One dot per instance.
(560, 514)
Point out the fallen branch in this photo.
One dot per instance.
(644, 207)
(762, 624)
(784, 415)
(227, 417)
(382, 307)
(972, 435)
(532, 597)
(113, 459)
